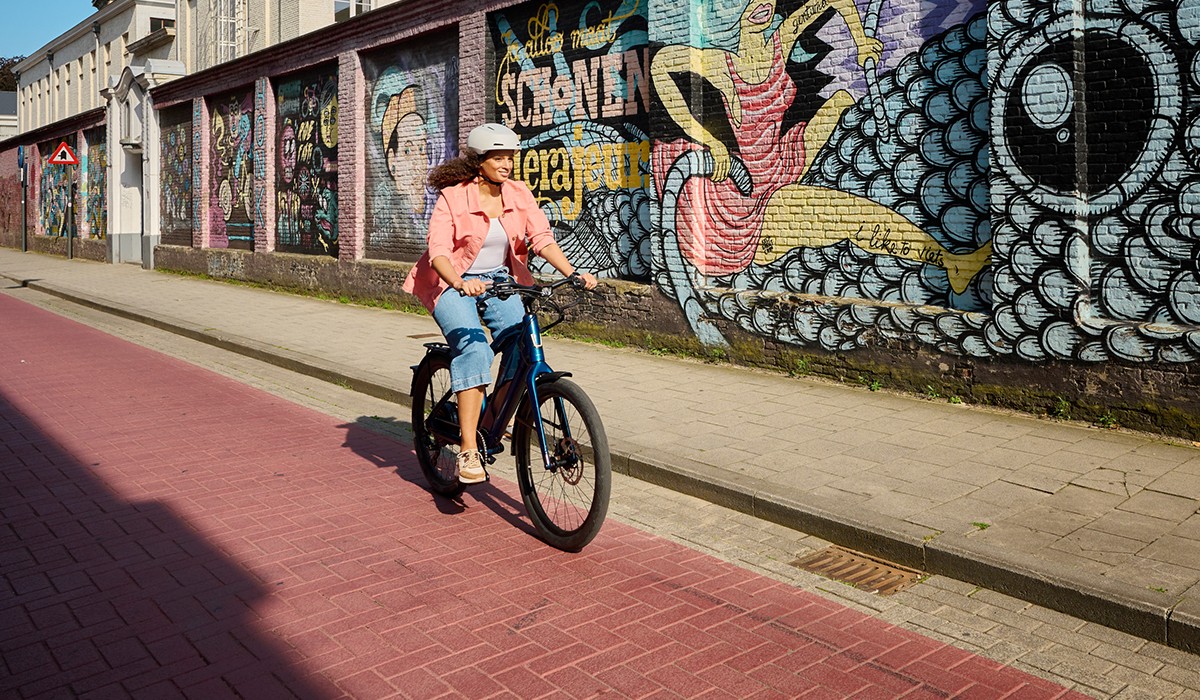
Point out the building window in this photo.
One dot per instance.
(345, 9)
(91, 63)
(227, 29)
(157, 23)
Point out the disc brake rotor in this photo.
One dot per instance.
(569, 460)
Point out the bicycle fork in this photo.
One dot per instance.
(539, 371)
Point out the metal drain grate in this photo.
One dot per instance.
(858, 570)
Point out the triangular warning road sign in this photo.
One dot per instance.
(63, 155)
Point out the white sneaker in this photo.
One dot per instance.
(470, 467)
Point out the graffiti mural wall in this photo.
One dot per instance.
(54, 192)
(573, 80)
(95, 189)
(1100, 262)
(231, 170)
(841, 150)
(306, 162)
(412, 125)
(176, 172)
(1016, 180)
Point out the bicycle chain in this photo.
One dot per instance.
(486, 452)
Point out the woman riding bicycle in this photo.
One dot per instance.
(482, 230)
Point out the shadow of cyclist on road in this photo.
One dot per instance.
(387, 443)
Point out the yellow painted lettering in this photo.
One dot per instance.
(561, 179)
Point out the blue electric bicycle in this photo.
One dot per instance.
(566, 491)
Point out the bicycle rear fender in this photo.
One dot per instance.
(430, 349)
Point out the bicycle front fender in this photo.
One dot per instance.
(551, 376)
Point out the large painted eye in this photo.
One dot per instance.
(1110, 103)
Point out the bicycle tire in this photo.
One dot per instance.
(431, 385)
(566, 505)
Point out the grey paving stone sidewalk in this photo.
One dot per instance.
(1100, 524)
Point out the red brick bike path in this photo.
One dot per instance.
(167, 532)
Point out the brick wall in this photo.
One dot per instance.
(10, 198)
(890, 189)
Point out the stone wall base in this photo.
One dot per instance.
(95, 249)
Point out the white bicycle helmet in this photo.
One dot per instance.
(492, 137)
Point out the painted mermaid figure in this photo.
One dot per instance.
(722, 231)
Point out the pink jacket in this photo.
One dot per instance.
(457, 230)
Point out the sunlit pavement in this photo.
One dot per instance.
(169, 532)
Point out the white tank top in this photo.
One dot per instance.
(494, 252)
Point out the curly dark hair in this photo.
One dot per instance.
(455, 171)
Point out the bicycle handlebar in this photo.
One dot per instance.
(503, 290)
(535, 296)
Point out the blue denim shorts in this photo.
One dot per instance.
(459, 319)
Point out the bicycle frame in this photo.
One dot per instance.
(531, 367)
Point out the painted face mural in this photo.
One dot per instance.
(573, 82)
(287, 151)
(306, 170)
(176, 191)
(232, 171)
(850, 160)
(407, 147)
(410, 130)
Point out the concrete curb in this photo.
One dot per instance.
(1168, 620)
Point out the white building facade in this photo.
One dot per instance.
(88, 88)
(66, 95)
(8, 115)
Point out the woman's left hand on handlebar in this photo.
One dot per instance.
(589, 280)
(472, 287)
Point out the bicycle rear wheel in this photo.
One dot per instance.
(567, 503)
(434, 420)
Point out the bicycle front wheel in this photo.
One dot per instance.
(568, 501)
(434, 418)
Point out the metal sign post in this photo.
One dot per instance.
(69, 224)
